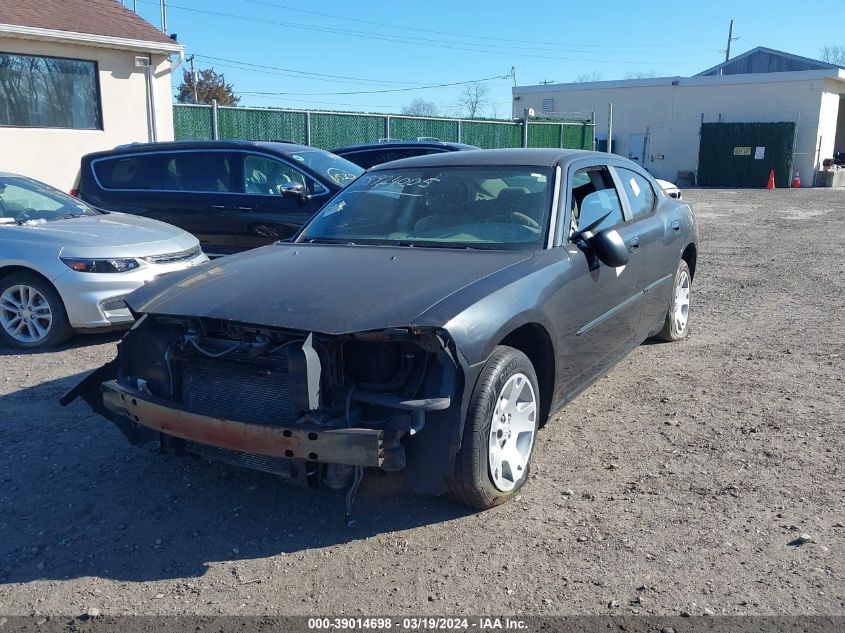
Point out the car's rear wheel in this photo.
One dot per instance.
(32, 314)
(676, 325)
(501, 426)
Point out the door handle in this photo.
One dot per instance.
(676, 227)
(222, 207)
(239, 208)
(634, 244)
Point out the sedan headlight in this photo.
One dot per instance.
(101, 265)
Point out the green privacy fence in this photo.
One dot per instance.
(338, 129)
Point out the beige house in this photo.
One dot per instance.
(657, 121)
(77, 76)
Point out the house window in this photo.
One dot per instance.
(49, 92)
(548, 105)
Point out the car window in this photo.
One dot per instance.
(595, 202)
(24, 200)
(198, 171)
(143, 171)
(267, 176)
(639, 191)
(440, 206)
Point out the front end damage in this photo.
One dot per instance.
(306, 406)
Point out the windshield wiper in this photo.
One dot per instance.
(424, 244)
(329, 240)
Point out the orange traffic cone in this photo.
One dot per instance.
(771, 184)
(796, 182)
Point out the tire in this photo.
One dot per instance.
(42, 321)
(477, 482)
(676, 325)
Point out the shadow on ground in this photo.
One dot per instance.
(77, 500)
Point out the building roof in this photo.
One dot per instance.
(765, 60)
(96, 21)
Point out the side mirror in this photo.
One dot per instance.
(609, 247)
(294, 190)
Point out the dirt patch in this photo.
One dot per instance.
(678, 483)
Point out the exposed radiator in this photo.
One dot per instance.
(236, 387)
(273, 465)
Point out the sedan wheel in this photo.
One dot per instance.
(501, 424)
(25, 314)
(676, 325)
(512, 432)
(31, 312)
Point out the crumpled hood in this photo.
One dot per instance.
(327, 288)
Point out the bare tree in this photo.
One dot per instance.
(210, 85)
(421, 107)
(474, 98)
(584, 78)
(833, 55)
(640, 74)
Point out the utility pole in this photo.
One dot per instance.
(730, 39)
(194, 79)
(163, 16)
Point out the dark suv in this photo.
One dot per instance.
(233, 195)
(385, 151)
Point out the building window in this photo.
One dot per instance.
(548, 105)
(49, 92)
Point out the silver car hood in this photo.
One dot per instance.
(107, 235)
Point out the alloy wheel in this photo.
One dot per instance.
(682, 301)
(25, 313)
(512, 432)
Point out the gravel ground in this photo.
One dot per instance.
(678, 483)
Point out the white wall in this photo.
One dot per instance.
(673, 112)
(52, 155)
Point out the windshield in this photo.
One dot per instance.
(24, 200)
(444, 206)
(333, 168)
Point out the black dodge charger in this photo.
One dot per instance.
(430, 318)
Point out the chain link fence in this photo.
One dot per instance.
(329, 130)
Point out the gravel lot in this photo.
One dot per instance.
(676, 484)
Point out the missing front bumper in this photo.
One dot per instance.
(351, 446)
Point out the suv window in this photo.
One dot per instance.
(264, 175)
(130, 172)
(639, 191)
(371, 157)
(198, 171)
(177, 171)
(595, 203)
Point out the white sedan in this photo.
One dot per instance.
(66, 266)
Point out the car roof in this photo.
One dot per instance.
(276, 147)
(405, 144)
(533, 157)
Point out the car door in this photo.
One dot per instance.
(606, 301)
(657, 235)
(266, 215)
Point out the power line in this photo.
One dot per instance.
(371, 92)
(466, 35)
(406, 40)
(301, 74)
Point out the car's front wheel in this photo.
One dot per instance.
(676, 325)
(501, 425)
(32, 314)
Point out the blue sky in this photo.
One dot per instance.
(367, 46)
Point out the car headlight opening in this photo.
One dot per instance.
(107, 265)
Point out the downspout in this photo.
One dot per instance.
(151, 104)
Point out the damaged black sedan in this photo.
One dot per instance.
(430, 318)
